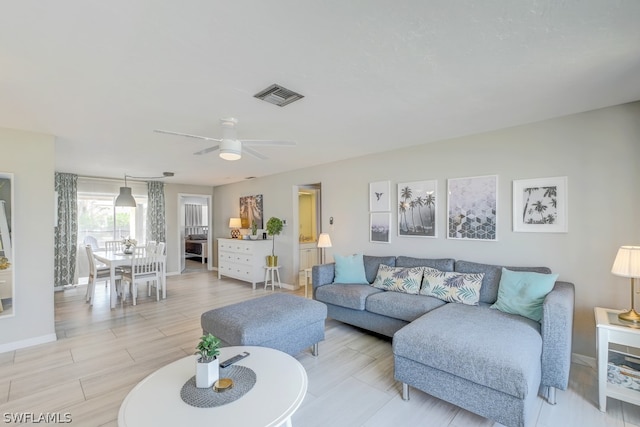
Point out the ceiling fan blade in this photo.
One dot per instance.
(254, 153)
(207, 150)
(267, 142)
(206, 138)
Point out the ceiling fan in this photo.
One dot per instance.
(229, 145)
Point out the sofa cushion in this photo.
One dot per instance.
(444, 264)
(451, 286)
(498, 350)
(371, 264)
(401, 306)
(399, 279)
(350, 269)
(491, 279)
(349, 296)
(522, 292)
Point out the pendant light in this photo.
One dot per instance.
(125, 198)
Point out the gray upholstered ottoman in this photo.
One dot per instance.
(285, 322)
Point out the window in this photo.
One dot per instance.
(100, 219)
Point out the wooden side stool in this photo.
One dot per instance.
(273, 273)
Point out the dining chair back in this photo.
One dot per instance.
(97, 274)
(144, 269)
(90, 240)
(113, 245)
(152, 246)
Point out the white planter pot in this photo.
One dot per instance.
(207, 373)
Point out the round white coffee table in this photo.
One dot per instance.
(281, 384)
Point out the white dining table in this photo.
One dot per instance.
(115, 259)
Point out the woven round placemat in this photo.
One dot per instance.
(243, 380)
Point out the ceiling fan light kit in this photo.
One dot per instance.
(230, 149)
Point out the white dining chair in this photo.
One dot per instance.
(144, 269)
(97, 274)
(152, 246)
(162, 267)
(113, 245)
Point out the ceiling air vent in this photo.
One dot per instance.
(278, 95)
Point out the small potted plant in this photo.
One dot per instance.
(254, 230)
(128, 244)
(207, 365)
(274, 227)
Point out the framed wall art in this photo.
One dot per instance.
(251, 210)
(380, 196)
(540, 205)
(380, 227)
(472, 211)
(417, 207)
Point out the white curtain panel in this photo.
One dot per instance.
(192, 215)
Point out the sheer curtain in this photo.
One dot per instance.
(192, 215)
(156, 228)
(66, 233)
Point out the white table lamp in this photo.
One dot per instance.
(324, 241)
(235, 224)
(627, 264)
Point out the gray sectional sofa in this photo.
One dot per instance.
(484, 360)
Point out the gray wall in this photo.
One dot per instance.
(598, 151)
(30, 157)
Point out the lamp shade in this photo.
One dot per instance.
(125, 198)
(324, 241)
(235, 223)
(627, 262)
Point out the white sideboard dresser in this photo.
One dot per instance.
(243, 259)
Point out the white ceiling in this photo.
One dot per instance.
(376, 75)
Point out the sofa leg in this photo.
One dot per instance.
(405, 391)
(551, 395)
(314, 349)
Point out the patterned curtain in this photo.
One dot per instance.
(192, 215)
(156, 229)
(66, 233)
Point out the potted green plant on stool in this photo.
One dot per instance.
(274, 227)
(207, 365)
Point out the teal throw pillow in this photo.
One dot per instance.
(350, 269)
(523, 292)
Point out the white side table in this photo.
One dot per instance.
(273, 273)
(610, 330)
(307, 280)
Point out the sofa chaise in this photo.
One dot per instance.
(488, 361)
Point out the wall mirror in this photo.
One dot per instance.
(7, 266)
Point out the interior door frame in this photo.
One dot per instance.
(181, 224)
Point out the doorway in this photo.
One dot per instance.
(309, 226)
(194, 237)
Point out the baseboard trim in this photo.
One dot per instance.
(581, 359)
(16, 345)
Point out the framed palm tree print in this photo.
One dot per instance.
(417, 208)
(472, 211)
(540, 205)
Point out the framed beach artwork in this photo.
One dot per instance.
(540, 205)
(380, 196)
(380, 227)
(472, 208)
(251, 210)
(417, 207)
